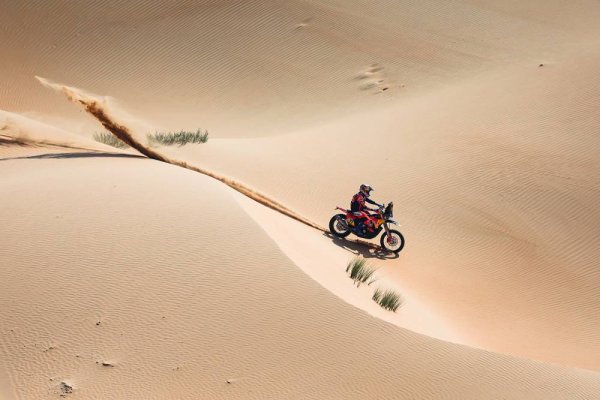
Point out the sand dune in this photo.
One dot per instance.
(278, 66)
(123, 277)
(496, 187)
(18, 130)
(100, 110)
(119, 281)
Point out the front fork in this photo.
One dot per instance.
(387, 230)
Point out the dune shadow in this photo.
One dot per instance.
(90, 154)
(360, 249)
(8, 141)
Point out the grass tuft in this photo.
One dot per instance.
(360, 271)
(110, 139)
(179, 138)
(387, 299)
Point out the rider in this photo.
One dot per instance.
(358, 204)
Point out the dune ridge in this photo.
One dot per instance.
(95, 108)
(19, 130)
(122, 277)
(497, 189)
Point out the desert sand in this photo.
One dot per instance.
(127, 277)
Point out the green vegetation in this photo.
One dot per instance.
(180, 138)
(388, 299)
(159, 138)
(360, 272)
(110, 139)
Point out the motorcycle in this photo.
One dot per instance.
(342, 225)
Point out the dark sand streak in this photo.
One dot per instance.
(6, 140)
(122, 132)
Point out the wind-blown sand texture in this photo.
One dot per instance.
(125, 277)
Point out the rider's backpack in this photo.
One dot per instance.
(355, 204)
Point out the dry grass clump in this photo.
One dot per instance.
(178, 138)
(387, 299)
(360, 271)
(110, 139)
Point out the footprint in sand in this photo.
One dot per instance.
(370, 85)
(375, 68)
(372, 79)
(303, 24)
(106, 364)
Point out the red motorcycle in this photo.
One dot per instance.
(368, 226)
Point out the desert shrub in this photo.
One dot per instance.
(360, 271)
(387, 299)
(110, 139)
(179, 138)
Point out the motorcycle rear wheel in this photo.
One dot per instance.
(338, 226)
(396, 243)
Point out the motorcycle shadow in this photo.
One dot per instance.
(361, 249)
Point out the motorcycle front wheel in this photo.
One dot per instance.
(338, 226)
(394, 242)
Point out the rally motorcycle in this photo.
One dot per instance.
(341, 225)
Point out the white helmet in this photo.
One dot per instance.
(366, 189)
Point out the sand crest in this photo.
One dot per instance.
(204, 271)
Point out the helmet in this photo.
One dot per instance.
(366, 189)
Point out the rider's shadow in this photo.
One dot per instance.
(359, 249)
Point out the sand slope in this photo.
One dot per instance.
(276, 66)
(20, 131)
(495, 181)
(128, 278)
(116, 272)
